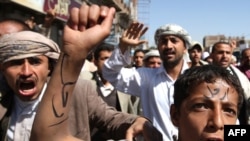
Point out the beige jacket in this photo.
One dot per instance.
(88, 110)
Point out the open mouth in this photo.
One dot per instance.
(27, 87)
(169, 53)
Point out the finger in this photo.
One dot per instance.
(143, 41)
(94, 15)
(108, 21)
(133, 30)
(141, 31)
(129, 137)
(139, 26)
(124, 34)
(104, 11)
(83, 17)
(144, 31)
(137, 33)
(74, 18)
(130, 29)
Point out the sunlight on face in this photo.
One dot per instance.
(26, 77)
(222, 55)
(205, 112)
(171, 48)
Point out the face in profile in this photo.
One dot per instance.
(203, 114)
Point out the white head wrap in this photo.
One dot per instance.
(196, 43)
(152, 52)
(173, 29)
(26, 44)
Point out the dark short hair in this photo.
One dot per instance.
(243, 51)
(138, 50)
(196, 46)
(103, 47)
(206, 73)
(220, 42)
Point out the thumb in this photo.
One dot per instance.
(129, 137)
(130, 134)
(143, 41)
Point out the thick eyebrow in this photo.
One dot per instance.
(209, 100)
(229, 104)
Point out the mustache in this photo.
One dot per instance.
(168, 51)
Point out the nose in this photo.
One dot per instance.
(216, 120)
(156, 65)
(224, 54)
(168, 44)
(26, 68)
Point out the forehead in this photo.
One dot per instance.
(246, 52)
(39, 57)
(170, 37)
(154, 57)
(9, 27)
(139, 53)
(217, 91)
(195, 49)
(105, 52)
(222, 46)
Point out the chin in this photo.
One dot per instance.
(28, 97)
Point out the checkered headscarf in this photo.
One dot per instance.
(173, 29)
(26, 44)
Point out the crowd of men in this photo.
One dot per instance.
(157, 94)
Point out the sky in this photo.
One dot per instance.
(198, 17)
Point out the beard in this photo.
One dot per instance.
(172, 63)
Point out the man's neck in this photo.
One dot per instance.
(196, 64)
(174, 70)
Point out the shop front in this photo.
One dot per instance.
(25, 9)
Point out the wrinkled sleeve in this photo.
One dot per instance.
(114, 124)
(127, 80)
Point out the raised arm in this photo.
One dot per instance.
(86, 27)
(125, 79)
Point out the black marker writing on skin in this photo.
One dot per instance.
(64, 95)
(215, 92)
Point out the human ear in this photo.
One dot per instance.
(52, 64)
(174, 113)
